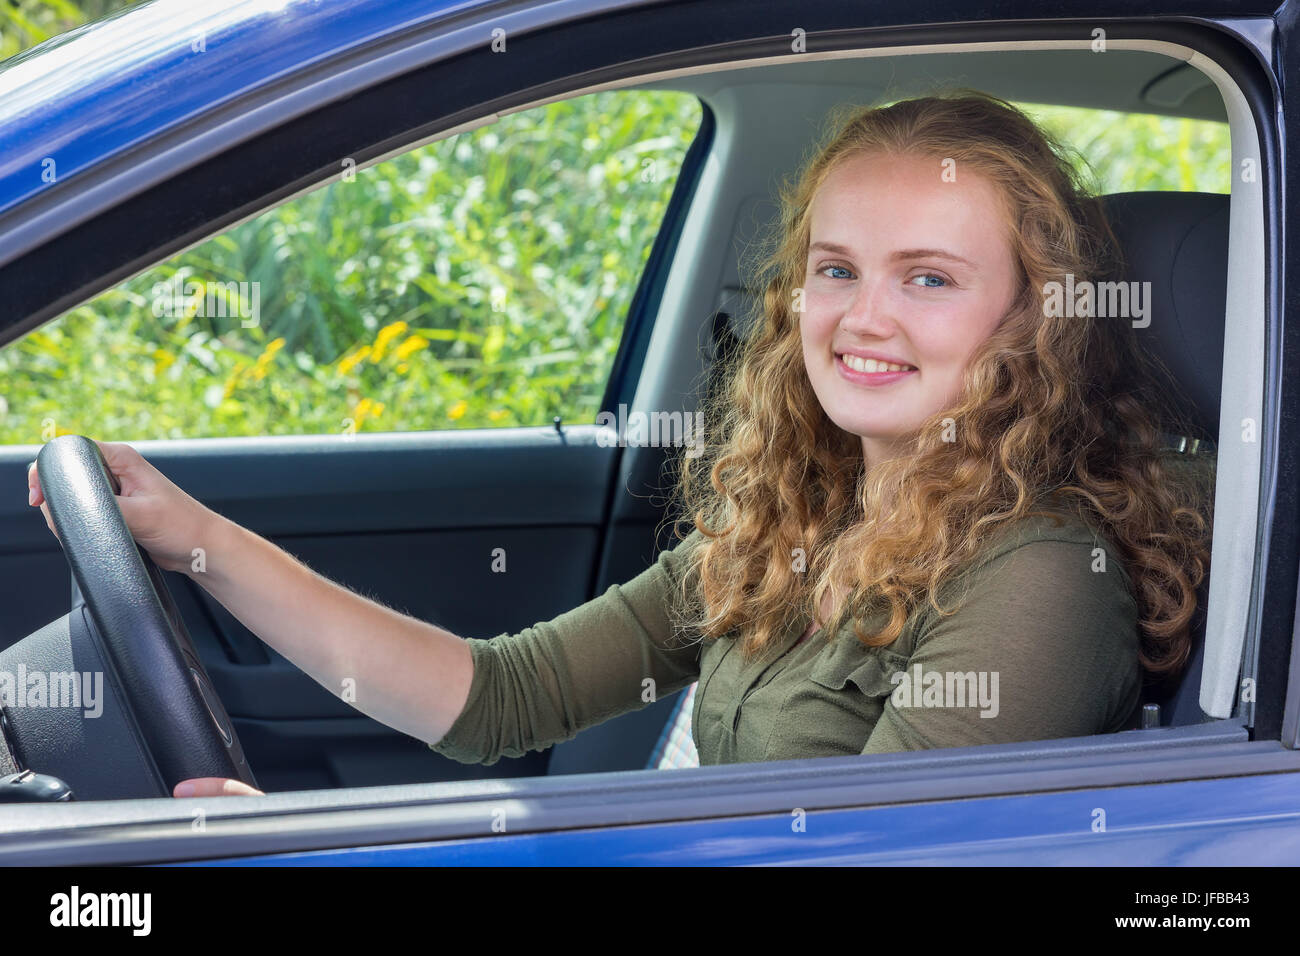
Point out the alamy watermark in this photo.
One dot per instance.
(128, 910)
(71, 689)
(655, 430)
(179, 298)
(1102, 300)
(919, 688)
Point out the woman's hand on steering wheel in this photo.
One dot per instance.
(215, 787)
(161, 517)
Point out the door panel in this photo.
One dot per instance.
(409, 519)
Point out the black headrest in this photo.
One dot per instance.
(1179, 243)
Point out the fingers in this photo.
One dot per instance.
(215, 787)
(135, 474)
(49, 522)
(121, 459)
(36, 497)
(120, 456)
(34, 494)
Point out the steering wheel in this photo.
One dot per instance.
(145, 646)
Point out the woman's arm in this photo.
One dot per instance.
(409, 675)
(615, 653)
(412, 676)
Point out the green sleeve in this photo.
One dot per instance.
(611, 655)
(1054, 638)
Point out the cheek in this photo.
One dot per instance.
(936, 347)
(815, 329)
(947, 344)
(947, 361)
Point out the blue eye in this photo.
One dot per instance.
(839, 268)
(939, 281)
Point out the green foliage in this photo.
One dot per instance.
(1133, 151)
(480, 280)
(25, 23)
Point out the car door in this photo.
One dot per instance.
(900, 802)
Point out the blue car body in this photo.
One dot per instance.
(157, 73)
(1201, 823)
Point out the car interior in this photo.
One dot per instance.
(1178, 241)
(393, 514)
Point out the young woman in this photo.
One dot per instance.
(933, 512)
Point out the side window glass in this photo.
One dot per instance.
(1133, 152)
(482, 280)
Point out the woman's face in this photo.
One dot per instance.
(907, 269)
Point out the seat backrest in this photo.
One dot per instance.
(1179, 243)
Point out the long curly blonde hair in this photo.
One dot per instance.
(1048, 405)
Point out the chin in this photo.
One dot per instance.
(869, 430)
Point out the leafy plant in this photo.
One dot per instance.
(480, 280)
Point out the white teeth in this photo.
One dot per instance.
(871, 365)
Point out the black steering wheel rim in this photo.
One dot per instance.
(181, 720)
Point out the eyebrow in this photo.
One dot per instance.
(901, 255)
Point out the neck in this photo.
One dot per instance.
(877, 451)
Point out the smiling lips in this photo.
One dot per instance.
(869, 371)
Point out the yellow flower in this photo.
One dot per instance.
(457, 410)
(348, 363)
(258, 371)
(359, 413)
(162, 360)
(233, 380)
(386, 335)
(411, 345)
(497, 414)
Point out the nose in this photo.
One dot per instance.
(870, 313)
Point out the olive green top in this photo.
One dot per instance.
(1044, 644)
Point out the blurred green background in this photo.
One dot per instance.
(479, 281)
